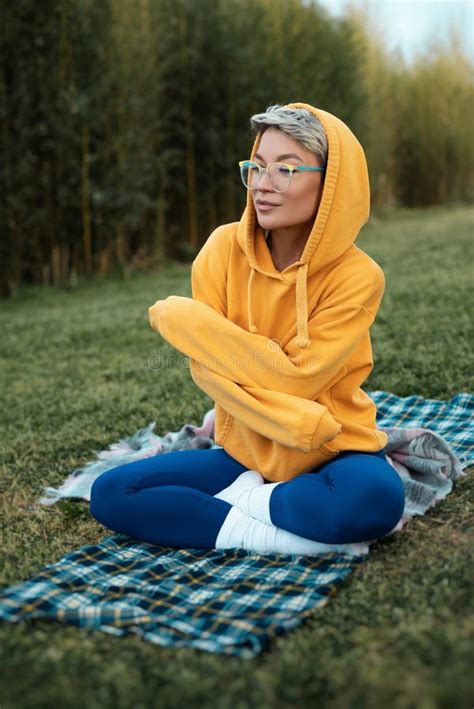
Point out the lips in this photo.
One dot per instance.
(266, 204)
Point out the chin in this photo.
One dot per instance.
(268, 222)
(266, 218)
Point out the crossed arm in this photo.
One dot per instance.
(250, 376)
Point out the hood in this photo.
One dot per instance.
(343, 210)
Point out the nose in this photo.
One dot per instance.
(264, 176)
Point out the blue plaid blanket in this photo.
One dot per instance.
(234, 601)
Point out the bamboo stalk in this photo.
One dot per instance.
(45, 274)
(56, 265)
(64, 266)
(86, 216)
(189, 136)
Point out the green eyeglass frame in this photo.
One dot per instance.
(291, 168)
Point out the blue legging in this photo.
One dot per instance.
(168, 499)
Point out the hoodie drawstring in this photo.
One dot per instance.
(302, 339)
(252, 327)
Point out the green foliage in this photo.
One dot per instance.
(122, 123)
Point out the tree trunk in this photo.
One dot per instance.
(86, 216)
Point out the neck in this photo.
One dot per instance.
(287, 244)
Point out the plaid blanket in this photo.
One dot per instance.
(233, 601)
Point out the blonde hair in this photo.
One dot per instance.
(297, 123)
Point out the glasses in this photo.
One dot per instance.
(279, 174)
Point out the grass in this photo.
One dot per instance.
(78, 374)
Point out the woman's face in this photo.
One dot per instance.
(299, 203)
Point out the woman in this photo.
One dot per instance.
(278, 337)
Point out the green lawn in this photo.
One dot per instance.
(77, 375)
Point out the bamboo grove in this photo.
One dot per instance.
(122, 122)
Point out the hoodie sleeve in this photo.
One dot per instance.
(213, 294)
(289, 420)
(253, 360)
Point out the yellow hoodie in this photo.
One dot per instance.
(283, 354)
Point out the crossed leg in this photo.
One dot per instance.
(168, 499)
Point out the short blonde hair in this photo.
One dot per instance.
(297, 123)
